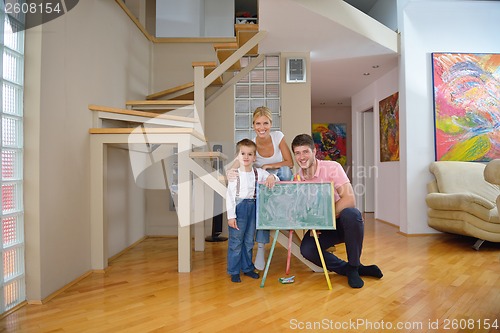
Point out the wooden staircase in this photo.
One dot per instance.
(243, 33)
(171, 116)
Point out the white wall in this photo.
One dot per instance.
(387, 195)
(75, 60)
(219, 18)
(179, 18)
(426, 27)
(125, 203)
(295, 100)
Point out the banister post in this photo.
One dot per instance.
(199, 94)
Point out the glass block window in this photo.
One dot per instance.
(261, 87)
(12, 281)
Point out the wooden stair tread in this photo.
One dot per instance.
(245, 36)
(207, 154)
(134, 130)
(226, 45)
(188, 95)
(239, 27)
(146, 130)
(216, 82)
(223, 54)
(160, 103)
(170, 91)
(108, 109)
(204, 63)
(145, 102)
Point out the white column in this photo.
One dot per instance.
(184, 206)
(98, 232)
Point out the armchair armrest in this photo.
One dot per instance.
(456, 201)
(492, 172)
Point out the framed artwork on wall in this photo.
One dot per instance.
(466, 106)
(330, 141)
(389, 128)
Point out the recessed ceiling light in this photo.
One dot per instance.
(322, 103)
(366, 74)
(339, 103)
(375, 66)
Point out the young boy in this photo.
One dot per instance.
(241, 213)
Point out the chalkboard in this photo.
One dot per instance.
(296, 205)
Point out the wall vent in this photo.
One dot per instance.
(295, 70)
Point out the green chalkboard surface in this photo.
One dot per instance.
(296, 205)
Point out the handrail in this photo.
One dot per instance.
(247, 69)
(222, 68)
(135, 20)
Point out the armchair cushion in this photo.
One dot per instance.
(463, 177)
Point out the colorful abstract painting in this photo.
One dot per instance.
(330, 141)
(466, 106)
(389, 128)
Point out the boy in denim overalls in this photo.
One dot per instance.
(241, 213)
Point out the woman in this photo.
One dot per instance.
(273, 153)
(274, 156)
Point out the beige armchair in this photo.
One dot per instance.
(463, 199)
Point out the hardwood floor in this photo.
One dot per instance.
(428, 281)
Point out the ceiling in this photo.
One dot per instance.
(362, 5)
(340, 57)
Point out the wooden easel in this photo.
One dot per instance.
(266, 270)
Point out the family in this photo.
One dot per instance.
(268, 159)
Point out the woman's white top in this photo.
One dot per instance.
(277, 157)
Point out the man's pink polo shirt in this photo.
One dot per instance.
(328, 171)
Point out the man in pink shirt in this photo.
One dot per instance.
(349, 222)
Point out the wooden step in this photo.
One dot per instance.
(243, 33)
(137, 113)
(170, 91)
(244, 36)
(239, 27)
(223, 54)
(204, 63)
(147, 130)
(208, 154)
(218, 46)
(183, 91)
(218, 81)
(209, 67)
(159, 105)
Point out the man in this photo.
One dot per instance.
(349, 222)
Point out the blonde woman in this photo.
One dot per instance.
(274, 156)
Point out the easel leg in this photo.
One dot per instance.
(322, 260)
(289, 253)
(269, 259)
